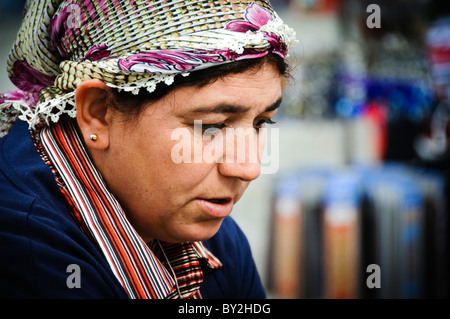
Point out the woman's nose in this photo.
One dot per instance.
(242, 155)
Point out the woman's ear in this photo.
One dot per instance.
(91, 105)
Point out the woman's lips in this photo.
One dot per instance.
(216, 207)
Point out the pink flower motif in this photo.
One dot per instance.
(247, 54)
(58, 27)
(13, 96)
(28, 79)
(18, 95)
(256, 17)
(160, 61)
(97, 53)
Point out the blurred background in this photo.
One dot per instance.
(363, 149)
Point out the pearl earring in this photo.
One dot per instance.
(93, 137)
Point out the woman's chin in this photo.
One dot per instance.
(198, 232)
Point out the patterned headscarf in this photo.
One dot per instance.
(128, 44)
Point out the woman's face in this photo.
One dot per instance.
(173, 178)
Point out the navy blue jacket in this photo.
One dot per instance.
(39, 239)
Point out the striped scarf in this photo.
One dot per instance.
(140, 268)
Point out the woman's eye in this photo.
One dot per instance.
(212, 129)
(262, 122)
(218, 126)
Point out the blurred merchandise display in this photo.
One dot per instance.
(329, 225)
(390, 88)
(345, 84)
(434, 144)
(396, 76)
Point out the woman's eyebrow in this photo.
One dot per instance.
(234, 109)
(274, 106)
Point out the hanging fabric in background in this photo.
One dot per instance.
(337, 222)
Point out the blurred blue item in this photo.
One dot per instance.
(343, 188)
(352, 91)
(411, 229)
(287, 186)
(404, 99)
(298, 182)
(411, 99)
(396, 228)
(347, 108)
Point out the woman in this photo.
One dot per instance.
(103, 209)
